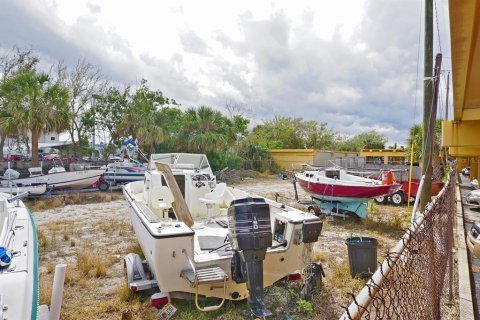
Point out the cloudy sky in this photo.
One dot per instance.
(350, 63)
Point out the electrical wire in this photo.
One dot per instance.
(418, 62)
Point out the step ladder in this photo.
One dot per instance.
(204, 275)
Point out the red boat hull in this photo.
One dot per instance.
(339, 192)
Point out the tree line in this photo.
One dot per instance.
(79, 100)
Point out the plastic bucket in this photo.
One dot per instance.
(362, 256)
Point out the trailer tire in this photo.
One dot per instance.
(103, 186)
(381, 200)
(315, 210)
(398, 198)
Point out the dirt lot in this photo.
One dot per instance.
(92, 238)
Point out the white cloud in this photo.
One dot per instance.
(350, 63)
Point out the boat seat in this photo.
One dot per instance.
(161, 197)
(220, 195)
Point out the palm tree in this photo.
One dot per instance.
(204, 130)
(35, 104)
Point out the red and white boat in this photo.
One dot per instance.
(334, 184)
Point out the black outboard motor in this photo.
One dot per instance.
(250, 234)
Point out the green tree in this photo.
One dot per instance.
(36, 104)
(141, 119)
(204, 130)
(366, 140)
(10, 63)
(292, 133)
(106, 114)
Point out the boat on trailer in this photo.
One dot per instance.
(56, 178)
(204, 238)
(18, 260)
(33, 189)
(336, 190)
(124, 171)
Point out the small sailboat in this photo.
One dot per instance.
(337, 185)
(334, 187)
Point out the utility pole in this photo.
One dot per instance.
(429, 137)
(427, 100)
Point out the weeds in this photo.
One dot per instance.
(45, 290)
(43, 242)
(88, 261)
(305, 307)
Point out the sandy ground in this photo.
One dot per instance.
(93, 239)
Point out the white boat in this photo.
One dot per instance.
(59, 178)
(196, 240)
(19, 260)
(35, 189)
(124, 171)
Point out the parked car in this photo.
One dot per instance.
(473, 240)
(51, 157)
(473, 197)
(72, 158)
(13, 157)
(466, 171)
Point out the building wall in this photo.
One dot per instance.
(389, 156)
(294, 159)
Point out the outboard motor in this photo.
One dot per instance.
(250, 234)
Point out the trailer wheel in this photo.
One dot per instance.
(397, 198)
(381, 200)
(315, 210)
(103, 186)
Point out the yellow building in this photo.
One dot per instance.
(294, 159)
(386, 156)
(462, 134)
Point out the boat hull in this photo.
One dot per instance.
(64, 180)
(166, 260)
(19, 287)
(33, 189)
(345, 193)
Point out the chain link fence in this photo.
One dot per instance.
(410, 282)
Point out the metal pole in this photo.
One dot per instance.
(417, 198)
(410, 178)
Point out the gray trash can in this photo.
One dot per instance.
(362, 255)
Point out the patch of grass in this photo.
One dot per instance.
(43, 241)
(341, 279)
(70, 199)
(45, 204)
(124, 293)
(134, 248)
(50, 268)
(45, 290)
(92, 264)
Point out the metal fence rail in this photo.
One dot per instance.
(409, 283)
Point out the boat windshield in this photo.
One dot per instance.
(183, 161)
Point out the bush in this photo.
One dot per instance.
(220, 160)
